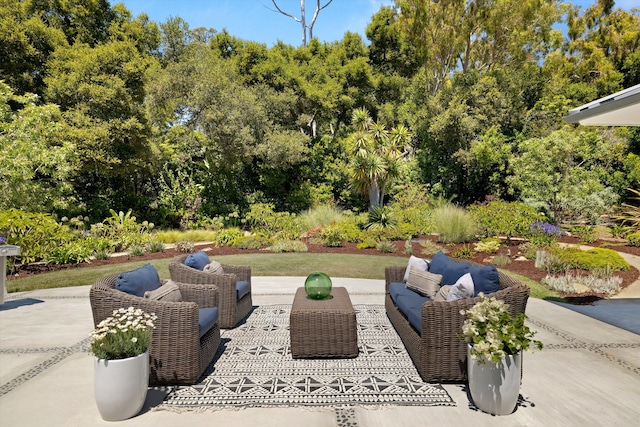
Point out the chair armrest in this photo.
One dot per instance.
(203, 295)
(242, 272)
(225, 283)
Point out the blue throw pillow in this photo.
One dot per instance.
(485, 280)
(198, 260)
(137, 282)
(454, 271)
(450, 270)
(438, 263)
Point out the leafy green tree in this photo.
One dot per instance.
(480, 34)
(242, 145)
(82, 21)
(389, 49)
(603, 44)
(25, 45)
(567, 166)
(175, 38)
(100, 91)
(141, 31)
(36, 160)
(466, 130)
(377, 154)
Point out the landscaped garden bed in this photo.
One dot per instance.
(518, 265)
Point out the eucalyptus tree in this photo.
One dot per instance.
(302, 19)
(477, 34)
(602, 48)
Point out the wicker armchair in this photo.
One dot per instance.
(177, 354)
(439, 353)
(232, 309)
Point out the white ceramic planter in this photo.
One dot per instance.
(121, 386)
(495, 387)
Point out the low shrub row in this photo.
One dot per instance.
(43, 238)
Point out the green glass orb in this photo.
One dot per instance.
(318, 286)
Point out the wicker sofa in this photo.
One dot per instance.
(178, 354)
(438, 352)
(232, 308)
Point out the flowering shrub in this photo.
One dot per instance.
(546, 228)
(543, 233)
(127, 333)
(493, 333)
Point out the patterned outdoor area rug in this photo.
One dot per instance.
(254, 368)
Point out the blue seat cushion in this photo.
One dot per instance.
(411, 306)
(242, 289)
(137, 282)
(198, 260)
(207, 317)
(398, 288)
(409, 303)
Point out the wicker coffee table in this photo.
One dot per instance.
(323, 328)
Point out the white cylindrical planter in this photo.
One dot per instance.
(5, 251)
(121, 386)
(495, 387)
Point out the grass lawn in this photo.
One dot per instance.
(290, 264)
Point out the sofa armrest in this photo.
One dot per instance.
(393, 274)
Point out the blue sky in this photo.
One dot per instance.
(254, 19)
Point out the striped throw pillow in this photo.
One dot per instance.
(214, 267)
(424, 282)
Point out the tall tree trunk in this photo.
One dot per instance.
(302, 20)
(374, 195)
(304, 23)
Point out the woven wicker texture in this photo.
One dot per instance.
(232, 310)
(177, 354)
(323, 328)
(439, 353)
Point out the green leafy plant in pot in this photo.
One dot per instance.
(496, 340)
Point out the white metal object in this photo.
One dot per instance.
(619, 109)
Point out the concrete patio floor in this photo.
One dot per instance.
(587, 375)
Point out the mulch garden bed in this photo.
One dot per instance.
(524, 268)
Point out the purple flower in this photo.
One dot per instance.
(546, 228)
(3, 240)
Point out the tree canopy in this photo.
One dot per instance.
(102, 110)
